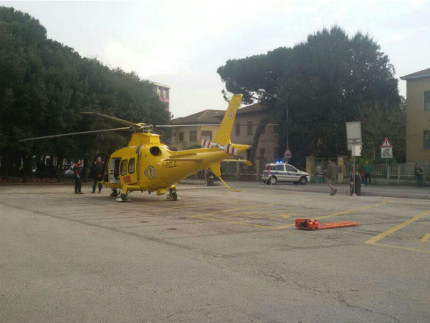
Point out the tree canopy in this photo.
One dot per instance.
(327, 80)
(44, 85)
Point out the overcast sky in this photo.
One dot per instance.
(182, 43)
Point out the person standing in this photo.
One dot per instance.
(97, 174)
(419, 174)
(331, 176)
(367, 173)
(77, 176)
(320, 174)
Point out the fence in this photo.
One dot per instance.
(393, 174)
(231, 171)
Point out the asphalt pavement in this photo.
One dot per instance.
(399, 191)
(212, 256)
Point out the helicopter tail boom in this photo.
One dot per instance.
(224, 131)
(231, 149)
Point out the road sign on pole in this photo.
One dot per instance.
(353, 140)
(356, 150)
(387, 152)
(353, 133)
(386, 149)
(288, 154)
(386, 143)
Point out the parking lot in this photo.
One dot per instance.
(214, 255)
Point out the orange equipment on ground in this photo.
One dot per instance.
(312, 224)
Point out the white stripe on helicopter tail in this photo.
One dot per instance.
(206, 143)
(229, 149)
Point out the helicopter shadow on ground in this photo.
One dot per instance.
(138, 198)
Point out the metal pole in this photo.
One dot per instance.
(386, 166)
(398, 174)
(288, 146)
(353, 188)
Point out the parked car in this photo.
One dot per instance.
(282, 172)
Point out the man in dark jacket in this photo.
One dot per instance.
(419, 174)
(97, 174)
(331, 176)
(77, 176)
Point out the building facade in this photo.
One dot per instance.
(198, 126)
(163, 93)
(418, 116)
(205, 124)
(244, 131)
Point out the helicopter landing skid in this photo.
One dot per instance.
(123, 198)
(115, 193)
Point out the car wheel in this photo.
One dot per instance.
(303, 180)
(273, 180)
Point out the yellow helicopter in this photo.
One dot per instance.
(148, 165)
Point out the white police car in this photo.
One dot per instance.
(282, 172)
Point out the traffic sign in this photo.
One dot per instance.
(386, 143)
(356, 150)
(386, 152)
(287, 153)
(353, 133)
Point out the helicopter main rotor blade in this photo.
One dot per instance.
(194, 125)
(105, 116)
(181, 125)
(76, 133)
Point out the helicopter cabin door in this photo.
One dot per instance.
(113, 171)
(128, 170)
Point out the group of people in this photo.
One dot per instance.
(366, 174)
(332, 170)
(96, 173)
(97, 170)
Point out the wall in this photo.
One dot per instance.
(417, 120)
(186, 143)
(268, 140)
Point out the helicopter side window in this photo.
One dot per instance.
(131, 165)
(123, 168)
